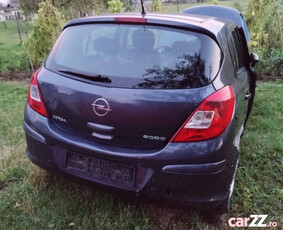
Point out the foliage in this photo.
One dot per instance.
(13, 57)
(155, 6)
(129, 7)
(70, 8)
(265, 22)
(32, 6)
(29, 6)
(18, 62)
(46, 29)
(213, 2)
(271, 61)
(237, 5)
(265, 26)
(115, 6)
(79, 8)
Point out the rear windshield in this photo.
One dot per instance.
(136, 56)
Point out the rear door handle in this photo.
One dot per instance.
(248, 96)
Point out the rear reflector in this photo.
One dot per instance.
(131, 20)
(210, 119)
(34, 97)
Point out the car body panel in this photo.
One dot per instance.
(221, 12)
(134, 113)
(206, 184)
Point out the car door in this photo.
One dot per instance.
(242, 74)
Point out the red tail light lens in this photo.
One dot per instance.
(210, 119)
(34, 96)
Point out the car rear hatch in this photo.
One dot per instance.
(127, 85)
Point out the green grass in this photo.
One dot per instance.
(259, 179)
(31, 199)
(12, 53)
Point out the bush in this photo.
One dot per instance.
(213, 2)
(115, 6)
(46, 29)
(271, 62)
(265, 24)
(18, 61)
(155, 6)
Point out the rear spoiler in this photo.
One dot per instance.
(221, 12)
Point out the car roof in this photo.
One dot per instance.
(221, 12)
(208, 25)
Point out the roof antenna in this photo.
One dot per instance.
(143, 11)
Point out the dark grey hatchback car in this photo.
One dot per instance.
(153, 106)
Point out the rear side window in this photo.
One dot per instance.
(137, 56)
(236, 51)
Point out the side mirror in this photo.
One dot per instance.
(254, 59)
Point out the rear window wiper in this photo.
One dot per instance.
(97, 78)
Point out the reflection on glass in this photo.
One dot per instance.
(188, 72)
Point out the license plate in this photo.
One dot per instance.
(101, 169)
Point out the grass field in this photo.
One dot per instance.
(30, 198)
(12, 52)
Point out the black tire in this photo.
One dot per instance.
(225, 206)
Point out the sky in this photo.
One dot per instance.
(5, 2)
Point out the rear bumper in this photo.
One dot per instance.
(181, 173)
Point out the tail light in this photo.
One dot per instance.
(34, 96)
(210, 119)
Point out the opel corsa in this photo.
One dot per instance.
(149, 105)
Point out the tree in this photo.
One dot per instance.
(77, 6)
(264, 19)
(265, 23)
(213, 2)
(29, 6)
(80, 8)
(46, 29)
(115, 6)
(155, 6)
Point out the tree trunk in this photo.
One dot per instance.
(3, 23)
(19, 30)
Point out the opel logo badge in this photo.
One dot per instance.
(101, 107)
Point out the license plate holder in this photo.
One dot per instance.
(100, 169)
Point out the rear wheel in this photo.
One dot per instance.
(225, 206)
